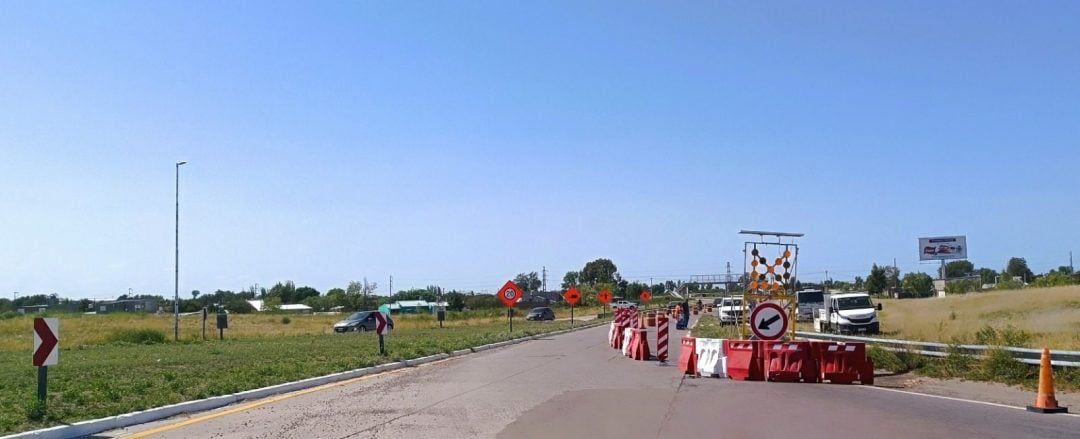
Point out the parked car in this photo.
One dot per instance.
(620, 304)
(541, 313)
(360, 322)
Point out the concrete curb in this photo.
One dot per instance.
(94, 426)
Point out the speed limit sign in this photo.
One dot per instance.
(510, 294)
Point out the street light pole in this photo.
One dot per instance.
(176, 279)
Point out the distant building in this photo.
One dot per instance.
(30, 309)
(126, 305)
(260, 306)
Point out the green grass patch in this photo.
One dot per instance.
(708, 326)
(137, 336)
(94, 381)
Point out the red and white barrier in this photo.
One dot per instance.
(662, 338)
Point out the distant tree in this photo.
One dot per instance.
(283, 292)
(1007, 282)
(859, 283)
(1055, 279)
(195, 294)
(877, 282)
(599, 271)
(238, 305)
(571, 279)
(892, 279)
(303, 293)
(958, 269)
(358, 295)
(455, 301)
(528, 282)
(987, 276)
(961, 286)
(918, 285)
(482, 301)
(1018, 268)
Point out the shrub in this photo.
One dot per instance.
(999, 365)
(137, 336)
(286, 320)
(1009, 336)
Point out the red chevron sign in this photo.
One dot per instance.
(46, 338)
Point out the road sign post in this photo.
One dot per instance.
(572, 297)
(769, 321)
(510, 294)
(604, 297)
(382, 328)
(205, 314)
(46, 352)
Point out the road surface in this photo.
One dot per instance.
(575, 386)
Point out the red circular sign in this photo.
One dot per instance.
(645, 296)
(768, 321)
(604, 297)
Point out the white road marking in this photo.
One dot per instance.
(959, 399)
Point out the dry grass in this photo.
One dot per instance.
(84, 330)
(1051, 315)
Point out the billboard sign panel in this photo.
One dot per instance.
(942, 247)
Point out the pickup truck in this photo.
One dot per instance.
(620, 304)
(729, 310)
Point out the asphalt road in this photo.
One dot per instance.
(575, 386)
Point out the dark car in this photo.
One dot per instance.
(360, 321)
(542, 313)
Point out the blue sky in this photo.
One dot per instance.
(460, 143)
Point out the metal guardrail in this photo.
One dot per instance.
(1023, 355)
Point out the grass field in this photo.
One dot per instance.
(1038, 316)
(97, 378)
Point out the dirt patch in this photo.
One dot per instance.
(974, 390)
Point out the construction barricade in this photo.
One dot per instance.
(790, 362)
(628, 333)
(662, 338)
(844, 363)
(639, 350)
(745, 360)
(711, 360)
(688, 356)
(617, 339)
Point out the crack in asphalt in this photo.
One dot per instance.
(376, 427)
(671, 407)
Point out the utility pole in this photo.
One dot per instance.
(391, 285)
(545, 278)
(1071, 269)
(176, 280)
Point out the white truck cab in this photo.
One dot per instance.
(729, 310)
(848, 313)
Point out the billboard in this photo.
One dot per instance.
(942, 247)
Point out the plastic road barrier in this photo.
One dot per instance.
(745, 360)
(711, 360)
(790, 362)
(640, 350)
(688, 357)
(627, 334)
(844, 363)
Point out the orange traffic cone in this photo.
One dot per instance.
(1045, 402)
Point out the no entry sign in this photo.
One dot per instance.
(768, 321)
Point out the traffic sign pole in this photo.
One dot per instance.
(571, 316)
(510, 318)
(42, 382)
